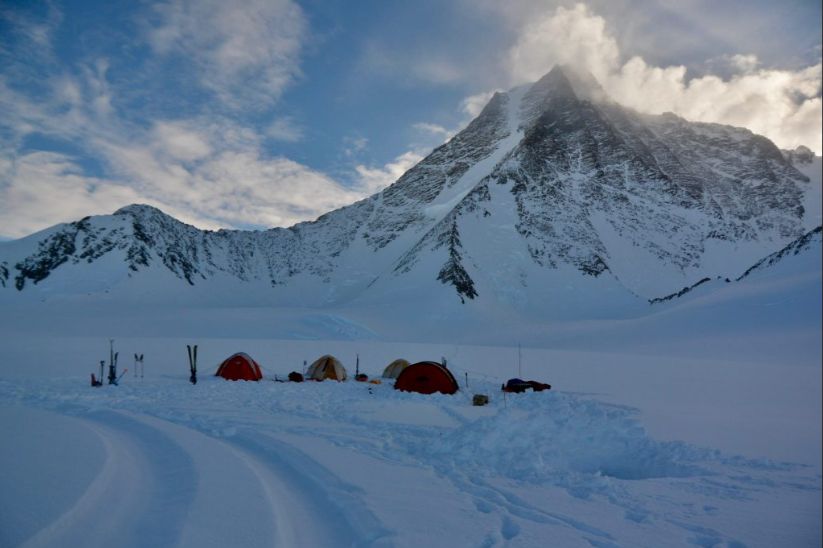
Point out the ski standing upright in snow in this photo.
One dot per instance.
(113, 378)
(192, 363)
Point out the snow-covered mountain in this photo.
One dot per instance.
(554, 201)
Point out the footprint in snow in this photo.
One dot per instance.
(509, 529)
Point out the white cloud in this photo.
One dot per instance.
(473, 105)
(247, 51)
(37, 30)
(98, 86)
(567, 36)
(232, 184)
(210, 172)
(269, 191)
(744, 63)
(354, 145)
(374, 179)
(44, 188)
(180, 142)
(784, 105)
(286, 130)
(433, 129)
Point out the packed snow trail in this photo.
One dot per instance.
(349, 464)
(162, 484)
(140, 466)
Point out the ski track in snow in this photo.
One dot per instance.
(327, 464)
(141, 465)
(267, 493)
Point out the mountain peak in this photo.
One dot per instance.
(566, 80)
(555, 83)
(138, 210)
(562, 83)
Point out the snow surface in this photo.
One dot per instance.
(698, 424)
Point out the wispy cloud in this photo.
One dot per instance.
(43, 188)
(285, 129)
(473, 104)
(35, 30)
(353, 145)
(372, 179)
(211, 175)
(435, 130)
(246, 51)
(211, 170)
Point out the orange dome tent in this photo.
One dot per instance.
(240, 367)
(426, 378)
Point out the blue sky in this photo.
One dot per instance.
(258, 113)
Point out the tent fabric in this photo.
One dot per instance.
(326, 367)
(240, 367)
(394, 369)
(426, 378)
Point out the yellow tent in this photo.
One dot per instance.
(394, 369)
(326, 367)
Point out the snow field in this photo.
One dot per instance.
(696, 424)
(339, 464)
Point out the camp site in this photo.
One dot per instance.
(246, 434)
(411, 274)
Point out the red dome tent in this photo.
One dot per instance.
(240, 367)
(426, 378)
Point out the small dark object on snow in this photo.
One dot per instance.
(361, 377)
(519, 385)
(95, 382)
(480, 399)
(294, 376)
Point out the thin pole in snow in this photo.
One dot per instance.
(138, 362)
(357, 367)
